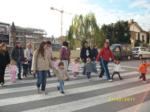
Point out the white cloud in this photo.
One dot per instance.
(37, 13)
(141, 4)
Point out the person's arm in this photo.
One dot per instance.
(34, 62)
(81, 54)
(100, 54)
(13, 54)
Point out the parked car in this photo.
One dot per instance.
(141, 52)
(122, 51)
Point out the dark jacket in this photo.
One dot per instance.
(94, 53)
(83, 54)
(4, 59)
(17, 54)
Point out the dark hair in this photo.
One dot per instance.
(48, 42)
(41, 49)
(65, 43)
(61, 64)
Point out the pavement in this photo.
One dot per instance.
(81, 94)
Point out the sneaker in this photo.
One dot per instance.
(62, 92)
(110, 80)
(58, 88)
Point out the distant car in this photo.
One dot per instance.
(121, 51)
(141, 52)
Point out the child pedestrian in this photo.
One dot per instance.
(76, 67)
(25, 67)
(61, 74)
(13, 70)
(143, 70)
(116, 69)
(88, 68)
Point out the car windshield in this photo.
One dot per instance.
(135, 49)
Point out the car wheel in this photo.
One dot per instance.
(140, 57)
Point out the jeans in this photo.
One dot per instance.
(61, 85)
(19, 65)
(104, 65)
(41, 79)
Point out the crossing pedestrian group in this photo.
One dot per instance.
(40, 63)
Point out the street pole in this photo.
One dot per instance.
(61, 22)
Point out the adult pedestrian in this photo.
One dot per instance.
(4, 61)
(105, 56)
(28, 55)
(84, 54)
(18, 55)
(65, 54)
(41, 65)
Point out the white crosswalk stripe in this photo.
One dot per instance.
(80, 94)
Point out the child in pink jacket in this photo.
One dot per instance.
(76, 67)
(13, 70)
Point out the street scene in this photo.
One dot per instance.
(75, 56)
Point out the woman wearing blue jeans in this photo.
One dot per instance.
(41, 65)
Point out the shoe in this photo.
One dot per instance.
(62, 92)
(2, 84)
(110, 80)
(58, 88)
(19, 78)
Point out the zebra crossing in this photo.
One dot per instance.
(81, 95)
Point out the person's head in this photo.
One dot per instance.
(77, 60)
(54, 58)
(42, 48)
(85, 44)
(88, 59)
(65, 44)
(3, 47)
(13, 62)
(61, 65)
(29, 45)
(18, 44)
(143, 61)
(48, 43)
(117, 62)
(106, 44)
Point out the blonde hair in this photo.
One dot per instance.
(12, 62)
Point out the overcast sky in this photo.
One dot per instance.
(37, 13)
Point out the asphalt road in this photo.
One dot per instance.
(81, 94)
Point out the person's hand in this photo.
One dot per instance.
(34, 72)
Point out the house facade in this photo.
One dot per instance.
(137, 34)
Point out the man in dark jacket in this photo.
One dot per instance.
(84, 54)
(18, 55)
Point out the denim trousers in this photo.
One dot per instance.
(41, 79)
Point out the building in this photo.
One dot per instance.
(22, 35)
(137, 33)
(26, 35)
(4, 32)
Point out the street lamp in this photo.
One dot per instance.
(61, 22)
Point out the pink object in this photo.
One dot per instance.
(55, 64)
(13, 72)
(75, 67)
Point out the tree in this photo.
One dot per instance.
(85, 28)
(117, 32)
